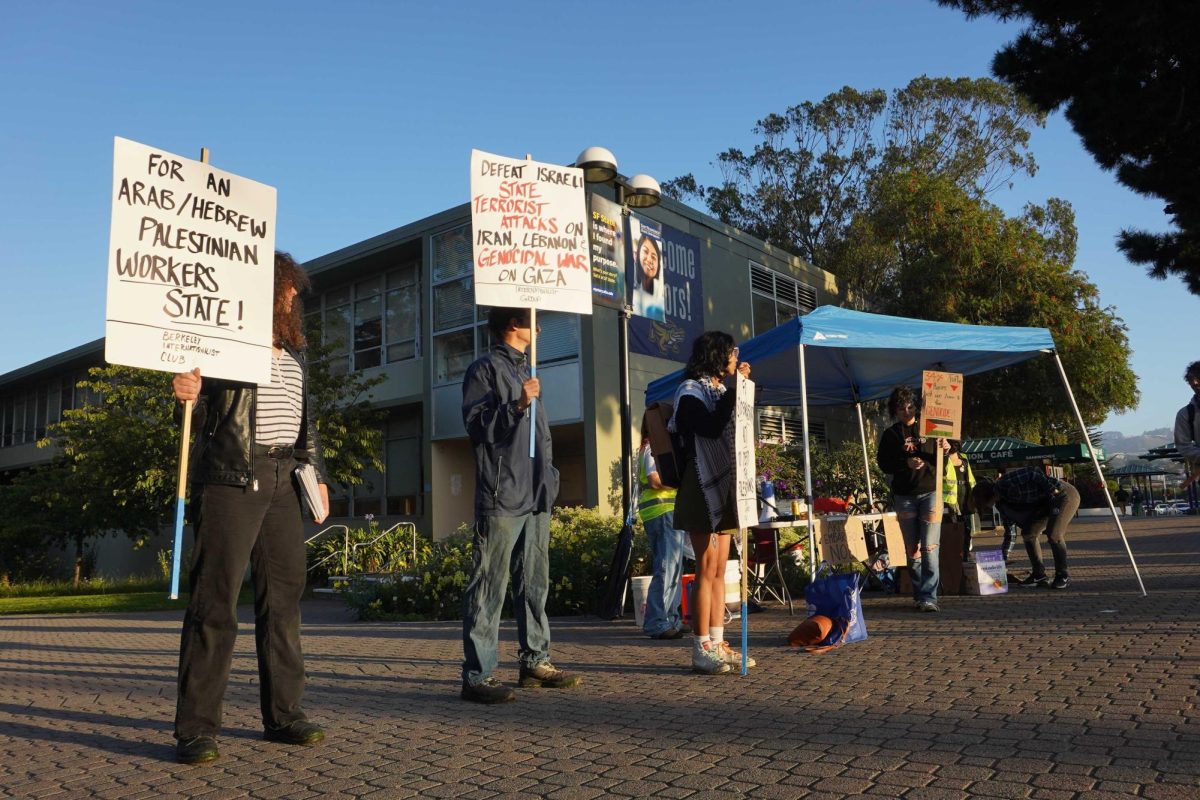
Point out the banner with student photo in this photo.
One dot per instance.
(646, 268)
(682, 319)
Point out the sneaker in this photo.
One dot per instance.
(1060, 582)
(733, 657)
(1033, 580)
(707, 660)
(488, 691)
(927, 606)
(299, 732)
(547, 676)
(196, 750)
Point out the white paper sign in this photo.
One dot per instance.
(529, 224)
(746, 485)
(191, 267)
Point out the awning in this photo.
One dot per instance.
(1008, 450)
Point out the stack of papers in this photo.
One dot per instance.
(306, 474)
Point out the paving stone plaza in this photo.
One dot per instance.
(1084, 693)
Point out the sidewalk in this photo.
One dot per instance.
(1086, 693)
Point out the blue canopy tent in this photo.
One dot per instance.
(837, 356)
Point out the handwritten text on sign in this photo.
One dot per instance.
(191, 267)
(746, 485)
(941, 407)
(530, 232)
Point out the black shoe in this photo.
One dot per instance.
(487, 691)
(669, 633)
(547, 676)
(1032, 580)
(299, 732)
(197, 750)
(1060, 582)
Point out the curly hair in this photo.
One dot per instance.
(1192, 372)
(710, 355)
(900, 396)
(288, 324)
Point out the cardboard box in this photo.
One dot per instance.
(950, 565)
(987, 576)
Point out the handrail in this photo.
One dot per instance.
(349, 550)
(345, 545)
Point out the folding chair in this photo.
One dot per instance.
(764, 572)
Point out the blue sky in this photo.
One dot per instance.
(363, 116)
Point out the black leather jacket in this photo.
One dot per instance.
(223, 427)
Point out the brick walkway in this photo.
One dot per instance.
(1088, 693)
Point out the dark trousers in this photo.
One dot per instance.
(1055, 528)
(236, 526)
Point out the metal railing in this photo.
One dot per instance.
(348, 550)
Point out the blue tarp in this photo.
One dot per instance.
(852, 356)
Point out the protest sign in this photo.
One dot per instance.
(941, 406)
(746, 476)
(530, 235)
(191, 267)
(607, 229)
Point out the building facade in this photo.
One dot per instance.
(401, 305)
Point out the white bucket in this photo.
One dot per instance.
(641, 590)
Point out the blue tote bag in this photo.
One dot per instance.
(838, 597)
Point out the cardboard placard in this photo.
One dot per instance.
(529, 226)
(941, 404)
(746, 475)
(191, 267)
(840, 540)
(897, 552)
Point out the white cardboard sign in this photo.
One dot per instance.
(191, 267)
(529, 226)
(746, 476)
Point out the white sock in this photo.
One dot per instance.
(716, 633)
(699, 641)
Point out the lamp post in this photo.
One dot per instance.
(599, 165)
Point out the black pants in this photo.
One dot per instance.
(1055, 528)
(237, 526)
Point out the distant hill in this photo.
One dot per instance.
(1115, 442)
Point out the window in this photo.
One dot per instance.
(374, 321)
(6, 422)
(402, 454)
(776, 298)
(780, 429)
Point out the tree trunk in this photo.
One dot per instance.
(78, 576)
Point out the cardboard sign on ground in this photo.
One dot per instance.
(988, 576)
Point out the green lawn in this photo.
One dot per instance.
(117, 602)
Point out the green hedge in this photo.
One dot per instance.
(581, 548)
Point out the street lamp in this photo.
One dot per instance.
(599, 165)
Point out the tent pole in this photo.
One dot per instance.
(808, 492)
(862, 437)
(1100, 473)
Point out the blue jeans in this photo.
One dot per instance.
(921, 538)
(666, 550)
(519, 545)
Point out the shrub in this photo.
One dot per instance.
(581, 549)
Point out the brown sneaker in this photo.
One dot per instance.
(547, 676)
(488, 691)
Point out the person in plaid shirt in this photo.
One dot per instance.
(1036, 503)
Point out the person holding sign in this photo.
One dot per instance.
(246, 510)
(705, 505)
(904, 455)
(514, 493)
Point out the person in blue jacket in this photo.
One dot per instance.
(514, 493)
